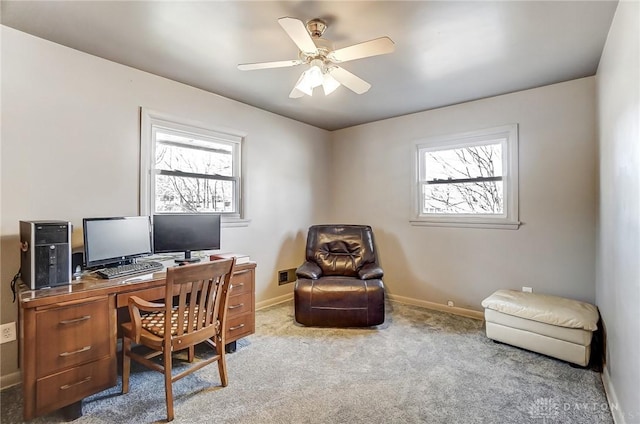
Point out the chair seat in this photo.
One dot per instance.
(154, 322)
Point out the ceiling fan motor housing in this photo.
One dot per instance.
(316, 27)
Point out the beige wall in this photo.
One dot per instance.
(554, 249)
(70, 149)
(71, 120)
(618, 271)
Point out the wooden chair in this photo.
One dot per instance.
(201, 291)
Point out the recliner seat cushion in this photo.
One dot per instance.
(339, 302)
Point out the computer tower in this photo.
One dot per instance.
(45, 259)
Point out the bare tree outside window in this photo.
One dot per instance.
(193, 175)
(466, 180)
(190, 167)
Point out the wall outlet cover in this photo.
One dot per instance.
(287, 276)
(282, 277)
(7, 332)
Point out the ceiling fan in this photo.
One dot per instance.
(323, 60)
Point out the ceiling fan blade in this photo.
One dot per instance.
(378, 46)
(352, 82)
(268, 65)
(296, 29)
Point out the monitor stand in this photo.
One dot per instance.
(187, 258)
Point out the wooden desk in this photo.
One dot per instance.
(68, 334)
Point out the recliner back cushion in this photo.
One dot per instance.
(339, 257)
(340, 250)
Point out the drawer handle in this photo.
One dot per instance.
(236, 327)
(84, 349)
(71, 321)
(68, 386)
(236, 286)
(239, 305)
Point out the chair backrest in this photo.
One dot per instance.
(201, 291)
(341, 249)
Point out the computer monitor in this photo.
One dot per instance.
(186, 233)
(116, 240)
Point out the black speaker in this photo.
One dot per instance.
(45, 260)
(77, 260)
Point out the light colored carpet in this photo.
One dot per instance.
(420, 366)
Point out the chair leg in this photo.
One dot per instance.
(168, 389)
(126, 364)
(222, 367)
(191, 353)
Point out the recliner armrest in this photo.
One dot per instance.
(370, 271)
(309, 270)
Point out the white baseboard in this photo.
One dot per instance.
(274, 301)
(616, 413)
(469, 313)
(10, 380)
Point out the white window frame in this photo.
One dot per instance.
(152, 121)
(509, 218)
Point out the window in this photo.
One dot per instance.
(468, 180)
(188, 168)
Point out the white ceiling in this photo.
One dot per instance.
(447, 52)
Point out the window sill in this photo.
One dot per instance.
(234, 222)
(501, 225)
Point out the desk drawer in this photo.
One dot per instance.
(70, 386)
(238, 305)
(72, 335)
(154, 294)
(241, 282)
(240, 326)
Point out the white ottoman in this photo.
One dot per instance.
(551, 325)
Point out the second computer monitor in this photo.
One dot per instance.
(186, 233)
(113, 241)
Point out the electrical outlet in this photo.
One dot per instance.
(450, 303)
(286, 276)
(527, 289)
(282, 277)
(7, 332)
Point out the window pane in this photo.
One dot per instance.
(466, 162)
(185, 154)
(463, 198)
(184, 194)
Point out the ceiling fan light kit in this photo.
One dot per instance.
(322, 59)
(329, 84)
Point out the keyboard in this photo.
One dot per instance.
(130, 269)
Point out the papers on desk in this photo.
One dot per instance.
(240, 258)
(136, 278)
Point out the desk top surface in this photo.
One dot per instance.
(89, 284)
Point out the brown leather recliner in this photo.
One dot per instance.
(340, 284)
